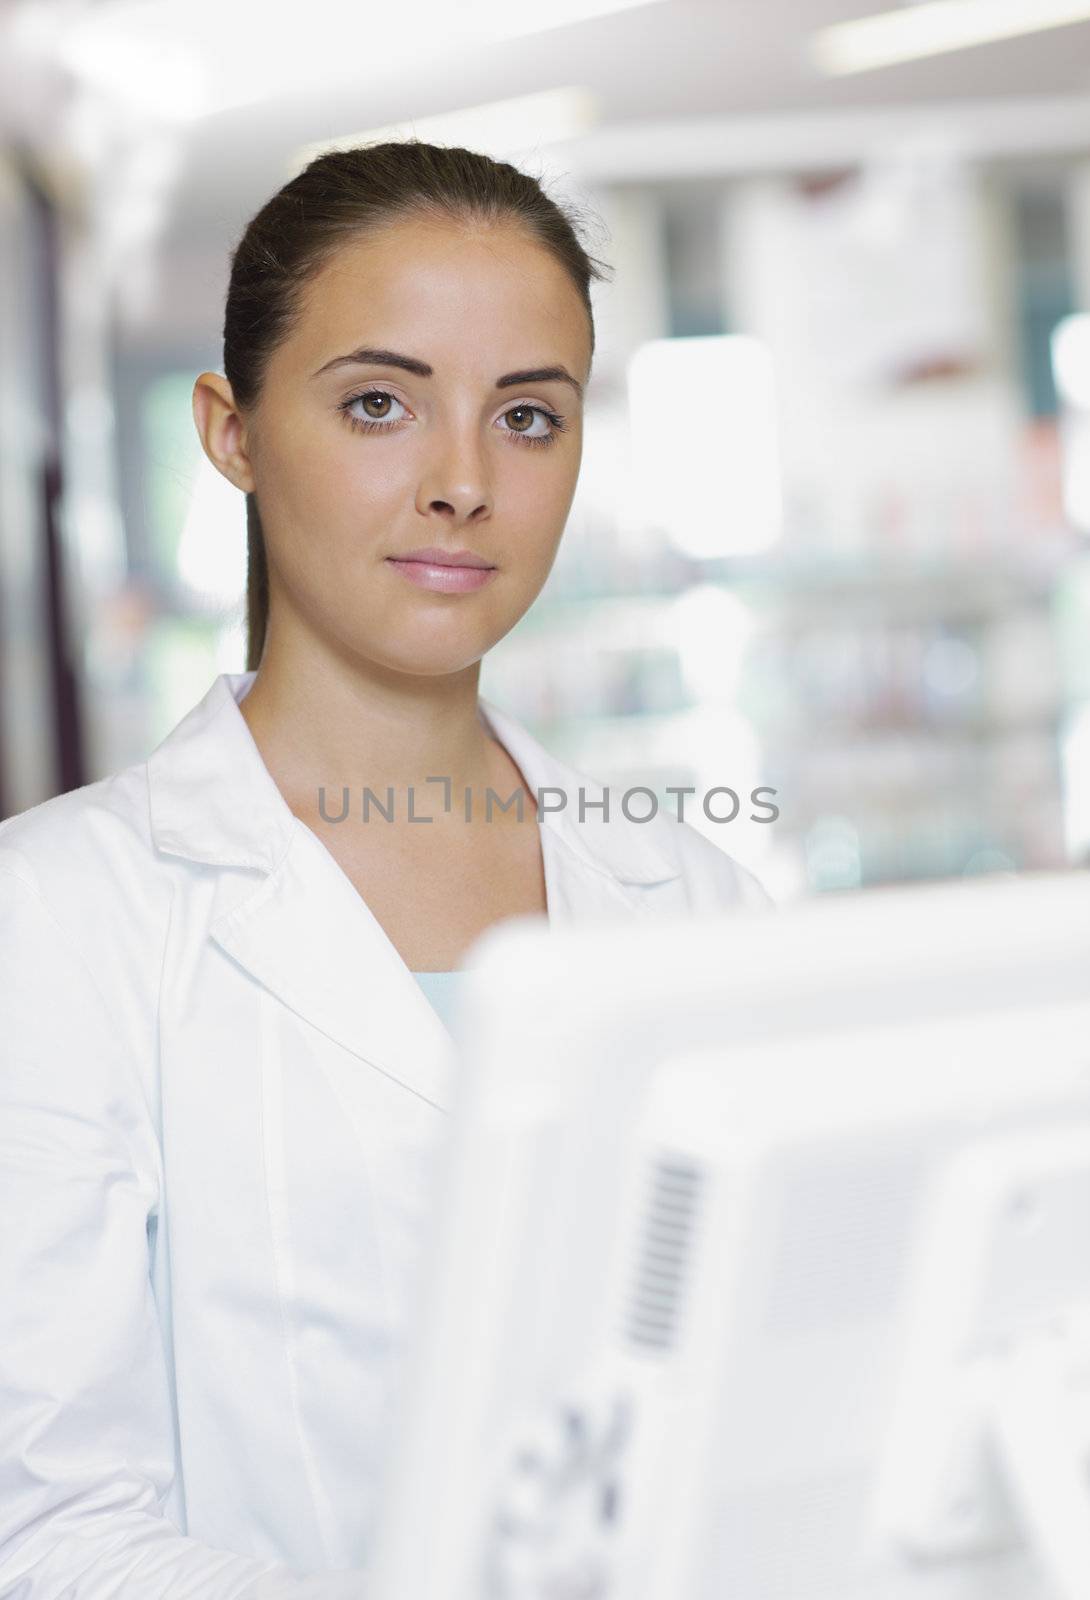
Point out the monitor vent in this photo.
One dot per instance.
(662, 1254)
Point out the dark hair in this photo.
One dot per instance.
(338, 196)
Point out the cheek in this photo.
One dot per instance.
(328, 481)
(535, 496)
(374, 472)
(548, 517)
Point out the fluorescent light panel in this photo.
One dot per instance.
(915, 31)
(184, 62)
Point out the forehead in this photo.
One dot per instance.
(479, 295)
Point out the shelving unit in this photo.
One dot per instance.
(907, 711)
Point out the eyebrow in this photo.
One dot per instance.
(367, 356)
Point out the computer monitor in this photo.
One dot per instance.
(761, 1261)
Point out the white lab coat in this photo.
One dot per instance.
(221, 1090)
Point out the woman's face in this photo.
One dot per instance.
(357, 459)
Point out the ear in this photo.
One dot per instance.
(222, 430)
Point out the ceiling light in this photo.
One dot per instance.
(934, 27)
(199, 59)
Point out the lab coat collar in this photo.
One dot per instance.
(213, 799)
(305, 933)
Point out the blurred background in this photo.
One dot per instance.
(831, 531)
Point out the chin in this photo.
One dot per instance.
(433, 662)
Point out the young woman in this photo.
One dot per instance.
(222, 1084)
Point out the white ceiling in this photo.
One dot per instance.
(672, 61)
(681, 58)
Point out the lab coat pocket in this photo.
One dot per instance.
(349, 1157)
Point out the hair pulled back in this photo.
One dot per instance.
(334, 199)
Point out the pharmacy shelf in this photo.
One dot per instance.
(851, 690)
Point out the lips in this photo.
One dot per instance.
(443, 571)
(432, 556)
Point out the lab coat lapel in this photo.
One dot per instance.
(287, 914)
(282, 907)
(597, 865)
(306, 934)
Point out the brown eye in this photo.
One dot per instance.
(519, 421)
(376, 403)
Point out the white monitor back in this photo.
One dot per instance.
(785, 1098)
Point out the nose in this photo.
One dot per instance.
(455, 483)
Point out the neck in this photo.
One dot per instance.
(322, 723)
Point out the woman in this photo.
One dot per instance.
(222, 1082)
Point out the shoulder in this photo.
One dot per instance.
(673, 860)
(712, 877)
(81, 927)
(87, 858)
(84, 832)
